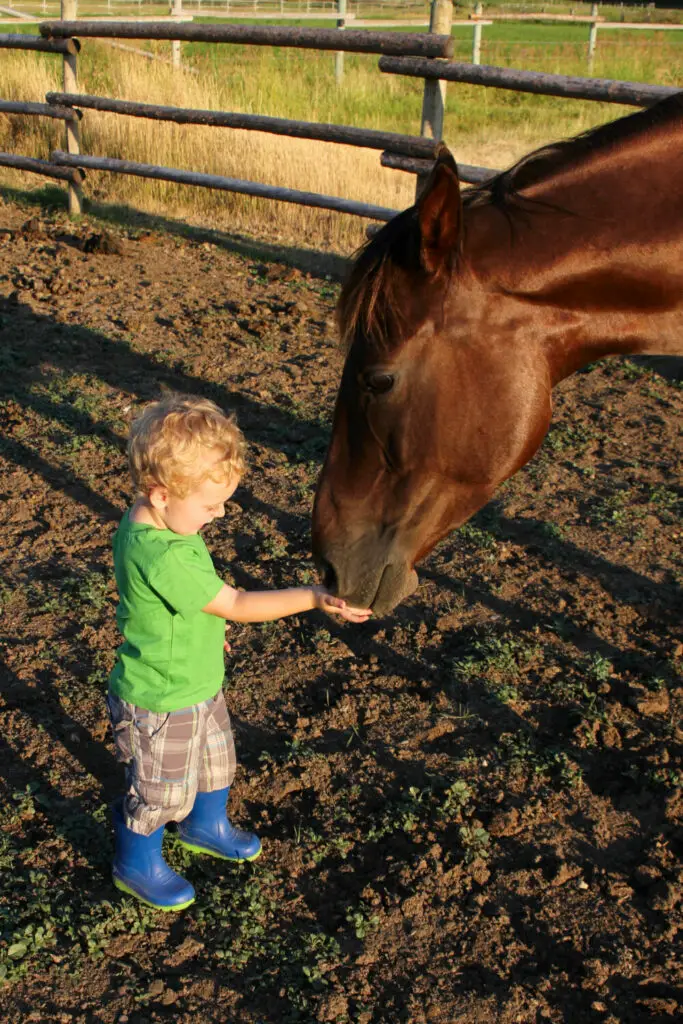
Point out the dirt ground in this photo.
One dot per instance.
(470, 811)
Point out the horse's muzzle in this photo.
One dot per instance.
(364, 584)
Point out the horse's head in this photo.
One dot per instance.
(431, 412)
(461, 314)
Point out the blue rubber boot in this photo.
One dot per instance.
(206, 829)
(140, 869)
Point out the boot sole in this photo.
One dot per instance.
(155, 906)
(219, 856)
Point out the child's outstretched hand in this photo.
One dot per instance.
(327, 602)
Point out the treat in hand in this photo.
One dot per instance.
(337, 606)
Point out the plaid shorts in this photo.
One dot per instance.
(169, 756)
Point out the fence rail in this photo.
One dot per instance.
(247, 188)
(73, 175)
(48, 109)
(19, 41)
(393, 142)
(349, 41)
(468, 173)
(606, 90)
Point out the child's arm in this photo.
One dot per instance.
(266, 605)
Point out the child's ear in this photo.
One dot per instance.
(158, 497)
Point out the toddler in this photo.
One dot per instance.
(167, 709)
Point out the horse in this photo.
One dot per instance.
(464, 311)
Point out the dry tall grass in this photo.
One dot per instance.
(488, 127)
(294, 163)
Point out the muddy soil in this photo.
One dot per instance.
(470, 811)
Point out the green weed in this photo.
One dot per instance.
(362, 919)
(611, 511)
(499, 657)
(320, 949)
(523, 756)
(320, 846)
(599, 668)
(403, 815)
(483, 540)
(566, 436)
(668, 503)
(475, 842)
(84, 596)
(554, 531)
(455, 798)
(276, 547)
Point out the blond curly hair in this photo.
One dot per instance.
(181, 441)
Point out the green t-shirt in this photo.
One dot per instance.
(172, 653)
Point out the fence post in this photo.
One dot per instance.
(176, 11)
(592, 37)
(339, 55)
(69, 12)
(434, 96)
(476, 38)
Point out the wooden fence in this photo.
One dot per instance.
(418, 55)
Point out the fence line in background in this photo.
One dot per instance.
(43, 167)
(352, 40)
(18, 41)
(418, 55)
(247, 188)
(177, 10)
(48, 109)
(366, 138)
(605, 90)
(246, 8)
(469, 173)
(340, 10)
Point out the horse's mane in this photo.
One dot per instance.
(370, 301)
(541, 164)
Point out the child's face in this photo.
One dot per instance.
(198, 508)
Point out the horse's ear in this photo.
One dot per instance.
(439, 212)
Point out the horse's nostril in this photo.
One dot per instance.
(329, 577)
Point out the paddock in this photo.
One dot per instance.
(469, 810)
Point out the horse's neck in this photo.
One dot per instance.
(591, 260)
(572, 343)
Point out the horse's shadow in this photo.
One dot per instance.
(668, 367)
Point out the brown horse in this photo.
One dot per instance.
(461, 315)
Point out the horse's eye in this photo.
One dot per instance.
(379, 383)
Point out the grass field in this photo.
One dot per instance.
(483, 126)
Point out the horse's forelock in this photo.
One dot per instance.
(371, 305)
